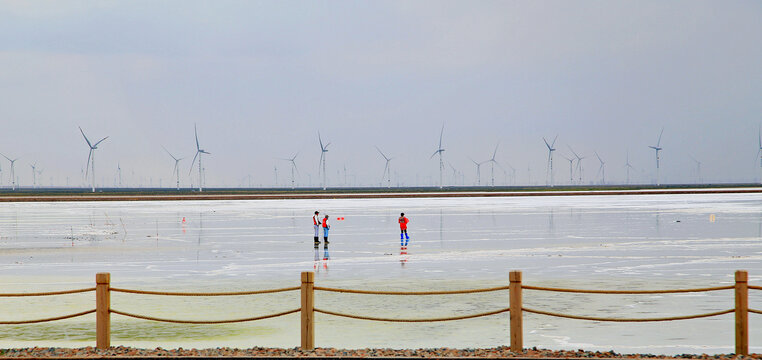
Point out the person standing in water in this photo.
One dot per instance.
(326, 228)
(403, 229)
(316, 224)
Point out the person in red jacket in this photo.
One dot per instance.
(326, 228)
(403, 228)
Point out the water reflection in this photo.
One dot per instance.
(321, 262)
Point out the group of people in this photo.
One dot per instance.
(317, 223)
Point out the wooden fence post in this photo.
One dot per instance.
(742, 312)
(517, 331)
(102, 311)
(308, 314)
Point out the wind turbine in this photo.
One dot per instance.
(657, 148)
(551, 149)
(571, 173)
(579, 163)
(698, 168)
(440, 151)
(34, 174)
(199, 151)
(492, 162)
(176, 169)
(91, 156)
(513, 174)
(13, 173)
(478, 171)
(387, 172)
(323, 150)
(293, 167)
(601, 169)
(628, 166)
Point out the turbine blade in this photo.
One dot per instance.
(434, 154)
(9, 159)
(495, 152)
(440, 137)
(193, 162)
(546, 143)
(87, 167)
(83, 134)
(554, 141)
(101, 140)
(659, 141)
(170, 154)
(195, 131)
(322, 148)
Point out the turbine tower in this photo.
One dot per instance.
(387, 172)
(175, 170)
(199, 151)
(90, 156)
(551, 149)
(13, 173)
(440, 151)
(657, 148)
(323, 150)
(293, 168)
(492, 162)
(601, 169)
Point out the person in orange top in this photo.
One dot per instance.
(326, 228)
(403, 228)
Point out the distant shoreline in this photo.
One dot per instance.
(359, 193)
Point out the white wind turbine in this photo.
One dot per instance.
(387, 171)
(13, 173)
(628, 166)
(439, 151)
(199, 151)
(698, 168)
(551, 149)
(292, 160)
(602, 168)
(91, 156)
(492, 162)
(657, 148)
(579, 163)
(175, 170)
(323, 150)
(478, 171)
(34, 174)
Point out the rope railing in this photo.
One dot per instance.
(145, 317)
(463, 317)
(48, 293)
(307, 290)
(20, 322)
(581, 291)
(594, 318)
(445, 292)
(236, 293)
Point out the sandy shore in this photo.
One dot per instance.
(260, 352)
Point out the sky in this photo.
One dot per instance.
(260, 79)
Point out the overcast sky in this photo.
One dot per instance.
(260, 79)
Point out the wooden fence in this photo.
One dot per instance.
(103, 309)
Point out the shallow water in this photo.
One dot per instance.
(601, 242)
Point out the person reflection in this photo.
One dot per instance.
(403, 256)
(316, 263)
(326, 256)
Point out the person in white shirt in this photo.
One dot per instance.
(316, 224)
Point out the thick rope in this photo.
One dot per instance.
(48, 319)
(412, 320)
(754, 311)
(203, 321)
(755, 287)
(49, 293)
(145, 292)
(447, 292)
(626, 291)
(628, 320)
